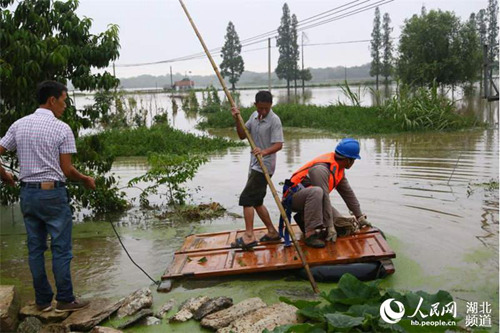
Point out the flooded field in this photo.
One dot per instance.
(432, 194)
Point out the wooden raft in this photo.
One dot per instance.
(210, 254)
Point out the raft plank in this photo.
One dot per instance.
(196, 260)
(223, 239)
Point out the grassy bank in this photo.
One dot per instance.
(352, 119)
(159, 138)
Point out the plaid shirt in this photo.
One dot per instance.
(39, 139)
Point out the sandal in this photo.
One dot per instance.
(266, 238)
(239, 243)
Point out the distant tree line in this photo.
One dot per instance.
(435, 46)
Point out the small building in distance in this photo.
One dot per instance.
(183, 85)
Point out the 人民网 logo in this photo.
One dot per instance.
(388, 314)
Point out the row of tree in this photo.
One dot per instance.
(381, 48)
(435, 46)
(232, 65)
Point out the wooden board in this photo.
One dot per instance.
(223, 239)
(208, 255)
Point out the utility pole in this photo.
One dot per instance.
(485, 71)
(269, 63)
(171, 79)
(345, 73)
(488, 77)
(302, 44)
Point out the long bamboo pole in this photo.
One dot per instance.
(259, 157)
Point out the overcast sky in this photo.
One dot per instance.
(157, 30)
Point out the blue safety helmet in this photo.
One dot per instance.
(348, 147)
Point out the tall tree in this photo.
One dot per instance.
(492, 13)
(305, 74)
(386, 70)
(482, 29)
(423, 11)
(284, 70)
(376, 45)
(428, 48)
(46, 40)
(470, 52)
(232, 65)
(295, 50)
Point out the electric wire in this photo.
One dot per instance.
(250, 41)
(130, 257)
(273, 32)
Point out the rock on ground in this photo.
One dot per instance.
(224, 317)
(9, 307)
(165, 308)
(95, 313)
(30, 325)
(102, 329)
(48, 317)
(135, 318)
(187, 308)
(213, 305)
(165, 286)
(149, 321)
(181, 316)
(139, 299)
(55, 328)
(264, 318)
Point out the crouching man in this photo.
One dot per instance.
(310, 188)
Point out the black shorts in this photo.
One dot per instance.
(255, 190)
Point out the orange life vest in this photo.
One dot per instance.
(336, 173)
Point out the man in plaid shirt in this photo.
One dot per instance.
(44, 145)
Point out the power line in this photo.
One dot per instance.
(312, 24)
(344, 42)
(354, 12)
(273, 32)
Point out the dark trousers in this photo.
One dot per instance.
(47, 212)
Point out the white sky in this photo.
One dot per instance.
(156, 30)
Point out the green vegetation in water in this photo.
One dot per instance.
(160, 138)
(341, 118)
(490, 186)
(424, 109)
(195, 212)
(354, 306)
(419, 110)
(171, 171)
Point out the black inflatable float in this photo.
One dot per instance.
(364, 271)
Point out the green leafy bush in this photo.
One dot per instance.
(171, 171)
(354, 306)
(211, 101)
(423, 109)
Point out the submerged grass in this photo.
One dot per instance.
(423, 109)
(159, 138)
(334, 118)
(195, 212)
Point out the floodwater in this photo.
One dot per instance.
(429, 192)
